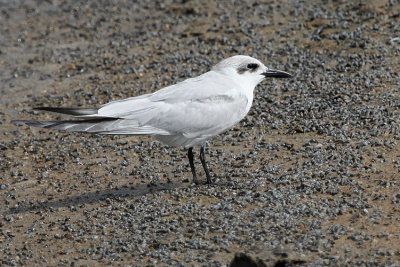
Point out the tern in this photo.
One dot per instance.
(184, 114)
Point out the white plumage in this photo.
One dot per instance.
(185, 114)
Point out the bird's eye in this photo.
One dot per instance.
(252, 66)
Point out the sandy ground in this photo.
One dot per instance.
(310, 177)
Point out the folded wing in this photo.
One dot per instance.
(201, 106)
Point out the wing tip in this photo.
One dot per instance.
(29, 123)
(19, 122)
(70, 111)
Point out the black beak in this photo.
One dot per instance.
(276, 74)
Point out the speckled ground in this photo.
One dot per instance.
(310, 177)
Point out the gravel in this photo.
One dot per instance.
(310, 177)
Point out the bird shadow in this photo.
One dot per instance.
(96, 196)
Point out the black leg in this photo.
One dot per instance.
(190, 156)
(203, 162)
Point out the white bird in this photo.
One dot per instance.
(185, 114)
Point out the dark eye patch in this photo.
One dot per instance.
(252, 66)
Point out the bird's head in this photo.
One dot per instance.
(248, 70)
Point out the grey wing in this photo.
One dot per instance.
(202, 106)
(208, 102)
(204, 86)
(201, 118)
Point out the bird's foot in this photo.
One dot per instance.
(198, 182)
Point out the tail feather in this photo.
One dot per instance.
(70, 111)
(91, 125)
(96, 126)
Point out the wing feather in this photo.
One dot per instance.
(202, 106)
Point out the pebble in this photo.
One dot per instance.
(311, 173)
